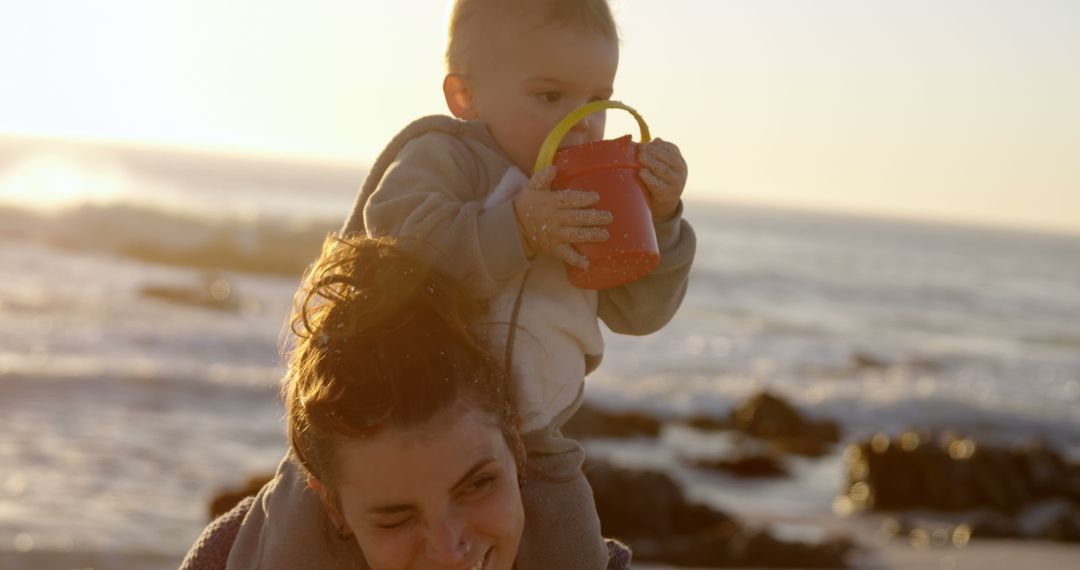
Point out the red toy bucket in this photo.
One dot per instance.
(610, 169)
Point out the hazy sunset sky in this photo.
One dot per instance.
(959, 110)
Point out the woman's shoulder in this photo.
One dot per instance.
(211, 549)
(618, 555)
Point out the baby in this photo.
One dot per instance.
(466, 192)
(461, 193)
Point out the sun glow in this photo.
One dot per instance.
(55, 181)
(959, 111)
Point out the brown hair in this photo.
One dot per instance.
(380, 340)
(474, 20)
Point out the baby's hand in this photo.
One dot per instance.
(550, 221)
(664, 176)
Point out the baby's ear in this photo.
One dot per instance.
(458, 97)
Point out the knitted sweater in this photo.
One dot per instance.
(211, 549)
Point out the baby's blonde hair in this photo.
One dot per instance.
(474, 20)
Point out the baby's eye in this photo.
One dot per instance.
(550, 96)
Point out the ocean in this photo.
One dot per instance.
(143, 295)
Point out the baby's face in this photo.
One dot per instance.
(535, 79)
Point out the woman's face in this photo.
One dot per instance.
(442, 495)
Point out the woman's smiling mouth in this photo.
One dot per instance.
(483, 562)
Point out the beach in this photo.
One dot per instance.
(139, 358)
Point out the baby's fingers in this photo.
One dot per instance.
(568, 254)
(661, 149)
(656, 166)
(653, 182)
(582, 235)
(574, 199)
(585, 217)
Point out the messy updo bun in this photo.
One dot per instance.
(380, 340)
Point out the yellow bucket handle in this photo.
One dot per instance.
(555, 137)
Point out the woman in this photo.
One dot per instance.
(399, 422)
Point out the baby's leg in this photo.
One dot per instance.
(562, 530)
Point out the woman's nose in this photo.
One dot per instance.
(448, 543)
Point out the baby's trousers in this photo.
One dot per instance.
(562, 529)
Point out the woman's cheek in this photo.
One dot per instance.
(387, 550)
(506, 512)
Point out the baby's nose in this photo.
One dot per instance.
(582, 126)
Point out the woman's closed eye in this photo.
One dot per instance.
(479, 485)
(394, 524)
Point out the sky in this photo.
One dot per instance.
(962, 110)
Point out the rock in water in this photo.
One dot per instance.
(592, 422)
(917, 471)
(747, 466)
(772, 418)
(226, 499)
(647, 510)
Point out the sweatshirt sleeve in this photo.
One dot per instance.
(428, 199)
(646, 305)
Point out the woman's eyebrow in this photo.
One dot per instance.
(472, 471)
(404, 507)
(391, 509)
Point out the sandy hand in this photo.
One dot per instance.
(664, 176)
(551, 221)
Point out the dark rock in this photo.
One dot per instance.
(1045, 473)
(693, 517)
(706, 423)
(747, 466)
(865, 361)
(733, 547)
(768, 416)
(804, 446)
(647, 510)
(1065, 528)
(989, 524)
(772, 418)
(1013, 492)
(592, 422)
(226, 499)
(1054, 519)
(636, 503)
(997, 481)
(718, 548)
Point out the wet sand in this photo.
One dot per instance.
(899, 554)
(11, 560)
(980, 555)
